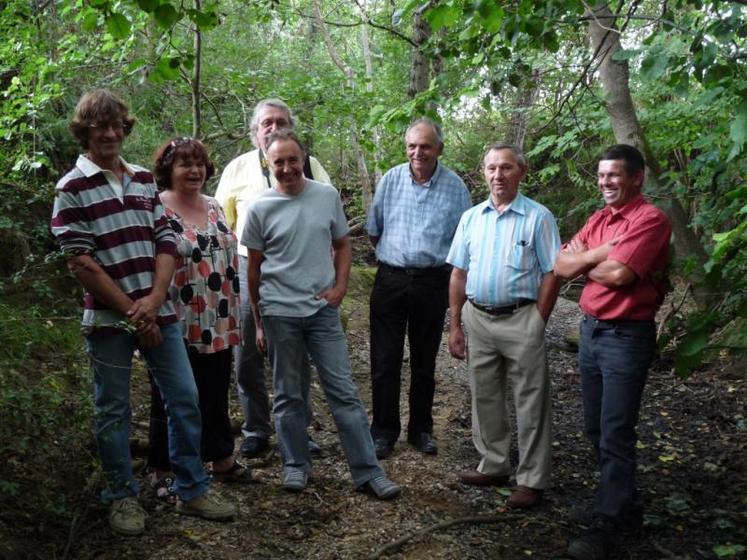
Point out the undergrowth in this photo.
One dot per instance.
(46, 445)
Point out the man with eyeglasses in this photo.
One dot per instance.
(109, 221)
(242, 182)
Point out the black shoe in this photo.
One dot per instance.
(424, 443)
(314, 448)
(596, 543)
(384, 447)
(253, 447)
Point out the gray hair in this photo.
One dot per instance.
(495, 146)
(428, 122)
(271, 102)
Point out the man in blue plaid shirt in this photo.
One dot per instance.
(415, 212)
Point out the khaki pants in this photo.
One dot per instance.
(513, 347)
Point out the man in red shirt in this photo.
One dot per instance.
(623, 250)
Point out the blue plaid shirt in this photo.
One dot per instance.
(415, 223)
(505, 253)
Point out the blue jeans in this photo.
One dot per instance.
(322, 335)
(111, 362)
(614, 358)
(250, 370)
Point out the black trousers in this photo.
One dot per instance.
(412, 302)
(212, 374)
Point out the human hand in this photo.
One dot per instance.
(457, 343)
(333, 296)
(144, 311)
(149, 336)
(260, 340)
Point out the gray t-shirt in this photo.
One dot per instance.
(295, 234)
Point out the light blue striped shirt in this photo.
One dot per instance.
(415, 223)
(505, 253)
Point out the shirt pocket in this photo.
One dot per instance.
(522, 256)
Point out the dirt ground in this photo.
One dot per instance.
(692, 465)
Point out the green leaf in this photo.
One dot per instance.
(654, 66)
(443, 16)
(148, 5)
(693, 344)
(167, 69)
(90, 19)
(166, 15)
(118, 25)
(625, 54)
(728, 550)
(205, 20)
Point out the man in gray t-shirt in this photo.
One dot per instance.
(296, 284)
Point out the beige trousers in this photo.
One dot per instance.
(510, 347)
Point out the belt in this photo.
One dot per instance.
(612, 323)
(416, 271)
(505, 310)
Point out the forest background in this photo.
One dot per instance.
(562, 78)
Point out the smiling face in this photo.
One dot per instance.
(270, 119)
(617, 185)
(105, 142)
(188, 174)
(285, 159)
(423, 151)
(503, 173)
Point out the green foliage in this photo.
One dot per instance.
(45, 440)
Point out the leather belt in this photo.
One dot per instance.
(505, 310)
(416, 271)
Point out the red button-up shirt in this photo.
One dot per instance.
(644, 248)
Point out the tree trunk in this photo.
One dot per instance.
(375, 133)
(419, 72)
(605, 42)
(195, 82)
(525, 98)
(349, 74)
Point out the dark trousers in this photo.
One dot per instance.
(412, 302)
(614, 358)
(212, 376)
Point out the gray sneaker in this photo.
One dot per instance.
(294, 480)
(381, 487)
(126, 517)
(207, 506)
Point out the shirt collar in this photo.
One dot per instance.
(429, 182)
(89, 168)
(518, 205)
(628, 209)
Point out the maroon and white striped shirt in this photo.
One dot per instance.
(121, 226)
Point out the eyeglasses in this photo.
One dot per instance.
(115, 125)
(279, 123)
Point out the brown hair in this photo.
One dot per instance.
(97, 107)
(283, 134)
(182, 147)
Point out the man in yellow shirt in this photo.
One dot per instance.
(243, 181)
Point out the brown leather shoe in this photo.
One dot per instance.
(476, 478)
(524, 497)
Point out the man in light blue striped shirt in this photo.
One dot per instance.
(414, 214)
(503, 254)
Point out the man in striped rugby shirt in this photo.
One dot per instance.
(109, 221)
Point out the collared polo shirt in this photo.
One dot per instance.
(121, 226)
(505, 253)
(415, 223)
(644, 248)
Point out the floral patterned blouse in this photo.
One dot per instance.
(205, 288)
